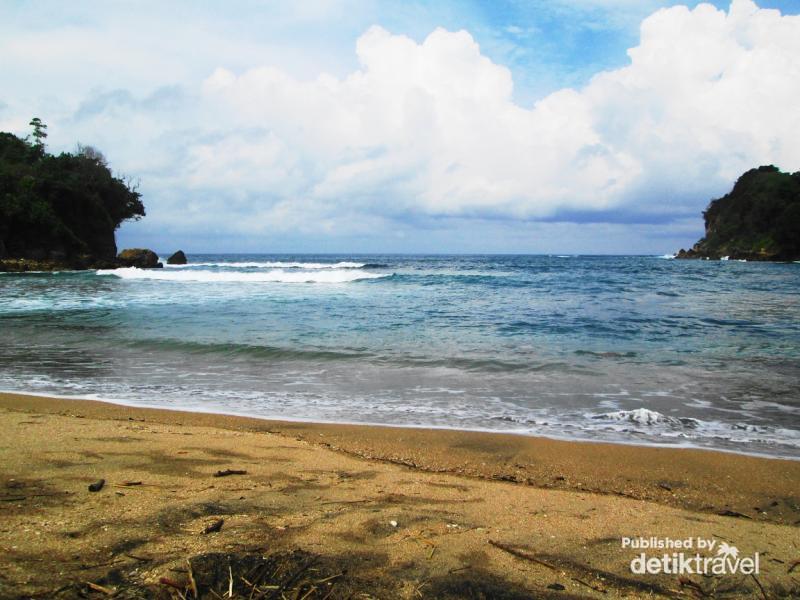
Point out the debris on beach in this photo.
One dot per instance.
(215, 526)
(295, 574)
(733, 513)
(97, 485)
(227, 472)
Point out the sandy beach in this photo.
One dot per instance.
(335, 511)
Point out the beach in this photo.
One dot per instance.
(400, 300)
(372, 512)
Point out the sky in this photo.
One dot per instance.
(557, 126)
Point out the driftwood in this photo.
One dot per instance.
(227, 472)
(733, 513)
(215, 526)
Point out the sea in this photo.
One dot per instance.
(627, 349)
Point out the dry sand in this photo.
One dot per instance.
(365, 512)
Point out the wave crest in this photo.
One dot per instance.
(273, 265)
(644, 416)
(272, 276)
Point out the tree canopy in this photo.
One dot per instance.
(758, 220)
(60, 207)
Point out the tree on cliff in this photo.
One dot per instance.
(758, 220)
(64, 208)
(39, 133)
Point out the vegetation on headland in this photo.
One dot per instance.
(758, 220)
(59, 211)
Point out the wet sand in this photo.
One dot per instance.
(381, 512)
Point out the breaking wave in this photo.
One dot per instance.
(644, 416)
(273, 265)
(272, 276)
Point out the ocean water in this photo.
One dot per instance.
(628, 349)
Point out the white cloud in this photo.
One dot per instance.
(432, 127)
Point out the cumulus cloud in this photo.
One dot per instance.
(432, 127)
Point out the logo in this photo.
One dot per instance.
(689, 556)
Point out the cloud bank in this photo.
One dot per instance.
(423, 132)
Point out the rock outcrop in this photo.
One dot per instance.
(179, 258)
(758, 220)
(141, 258)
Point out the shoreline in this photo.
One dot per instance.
(413, 427)
(388, 511)
(632, 470)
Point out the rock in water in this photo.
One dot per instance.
(179, 258)
(139, 257)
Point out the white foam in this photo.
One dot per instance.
(642, 416)
(273, 276)
(272, 265)
(650, 422)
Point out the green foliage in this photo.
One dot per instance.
(39, 133)
(60, 206)
(760, 217)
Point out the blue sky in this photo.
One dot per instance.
(562, 126)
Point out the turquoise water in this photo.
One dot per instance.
(628, 349)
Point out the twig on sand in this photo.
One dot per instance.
(733, 513)
(760, 587)
(686, 582)
(308, 593)
(100, 588)
(139, 558)
(793, 565)
(530, 557)
(458, 569)
(192, 583)
(589, 585)
(521, 554)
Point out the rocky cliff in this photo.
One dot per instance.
(758, 220)
(59, 211)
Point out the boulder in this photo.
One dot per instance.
(179, 258)
(139, 257)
